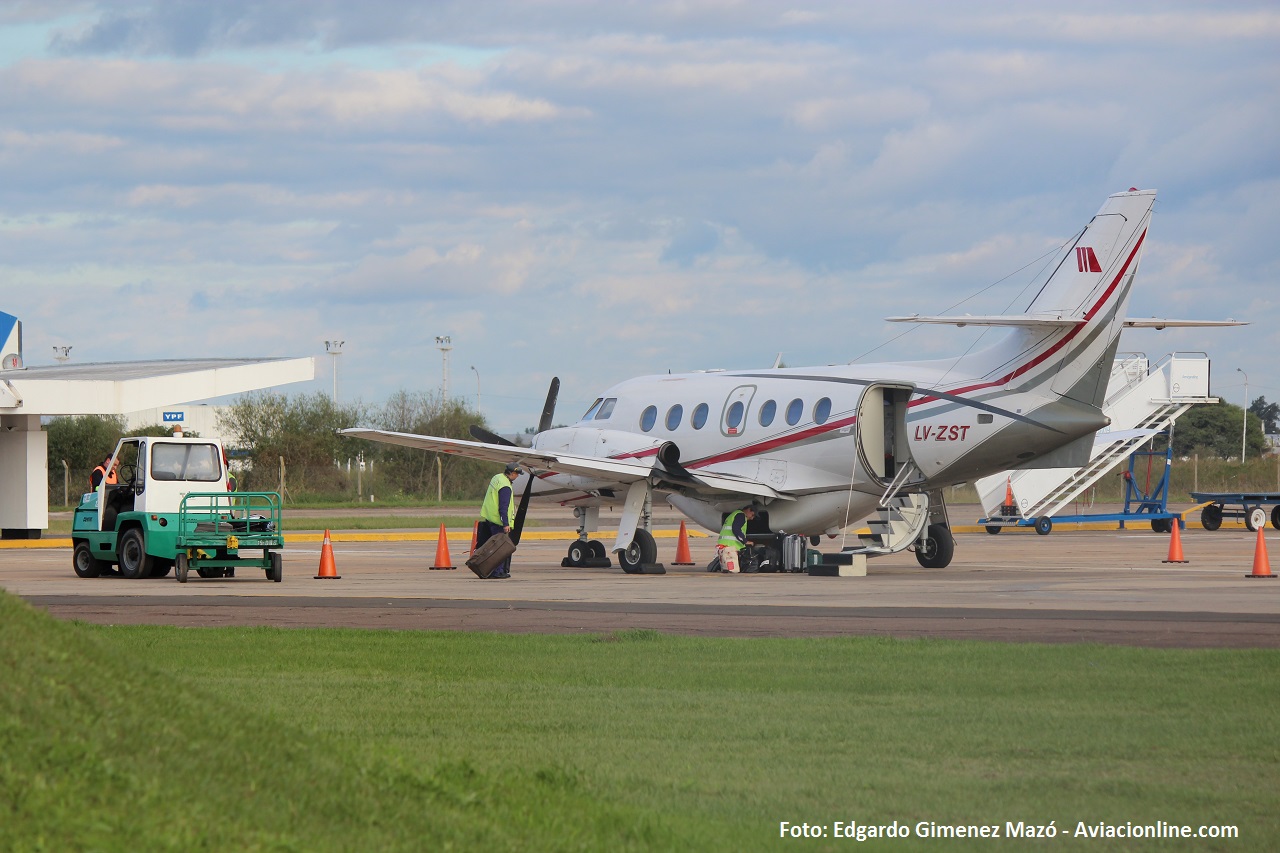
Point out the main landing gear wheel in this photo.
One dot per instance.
(85, 564)
(579, 551)
(1255, 518)
(1211, 517)
(598, 551)
(1043, 525)
(936, 550)
(643, 549)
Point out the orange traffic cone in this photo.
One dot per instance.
(328, 569)
(1261, 565)
(1175, 545)
(442, 552)
(1009, 508)
(683, 557)
(475, 534)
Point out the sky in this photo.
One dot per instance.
(600, 191)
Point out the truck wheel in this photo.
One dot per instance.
(182, 566)
(1275, 516)
(83, 561)
(276, 572)
(162, 568)
(134, 560)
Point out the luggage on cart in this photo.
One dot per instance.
(793, 553)
(491, 554)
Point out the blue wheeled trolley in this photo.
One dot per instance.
(1252, 508)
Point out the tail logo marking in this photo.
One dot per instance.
(1086, 260)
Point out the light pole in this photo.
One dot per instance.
(334, 348)
(444, 343)
(1244, 427)
(473, 367)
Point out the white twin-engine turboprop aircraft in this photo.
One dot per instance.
(818, 448)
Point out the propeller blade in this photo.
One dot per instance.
(482, 434)
(549, 409)
(520, 510)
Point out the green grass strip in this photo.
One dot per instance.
(122, 738)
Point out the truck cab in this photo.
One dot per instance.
(155, 474)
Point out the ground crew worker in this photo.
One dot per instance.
(105, 471)
(498, 512)
(733, 539)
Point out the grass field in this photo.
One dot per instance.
(155, 738)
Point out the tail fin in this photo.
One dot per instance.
(1068, 337)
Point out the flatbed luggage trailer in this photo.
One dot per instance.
(216, 527)
(1252, 508)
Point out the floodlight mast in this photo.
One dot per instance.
(1244, 426)
(444, 343)
(334, 348)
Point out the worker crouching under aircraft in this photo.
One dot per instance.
(732, 545)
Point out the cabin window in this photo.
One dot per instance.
(674, 414)
(699, 419)
(606, 409)
(591, 411)
(734, 418)
(767, 411)
(648, 418)
(794, 410)
(822, 410)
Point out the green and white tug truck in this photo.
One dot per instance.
(171, 508)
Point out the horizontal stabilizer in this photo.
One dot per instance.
(1161, 323)
(1011, 320)
(1029, 321)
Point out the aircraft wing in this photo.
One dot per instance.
(622, 471)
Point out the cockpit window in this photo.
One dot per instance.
(591, 411)
(606, 409)
(191, 462)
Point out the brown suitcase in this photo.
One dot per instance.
(490, 555)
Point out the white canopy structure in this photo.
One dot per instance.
(115, 388)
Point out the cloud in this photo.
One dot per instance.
(590, 185)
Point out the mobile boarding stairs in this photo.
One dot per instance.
(1141, 400)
